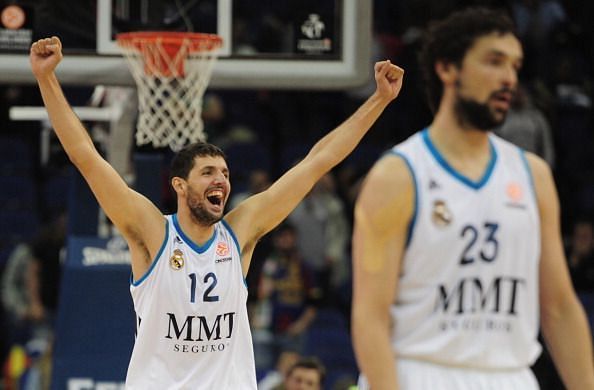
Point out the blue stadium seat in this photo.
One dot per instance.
(243, 158)
(17, 193)
(55, 193)
(363, 157)
(292, 154)
(329, 340)
(5, 251)
(15, 157)
(18, 225)
(329, 318)
(333, 347)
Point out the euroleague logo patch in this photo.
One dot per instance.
(222, 249)
(514, 192)
(222, 252)
(515, 195)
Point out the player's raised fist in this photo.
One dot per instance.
(45, 55)
(388, 78)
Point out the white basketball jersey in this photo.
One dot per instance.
(192, 324)
(468, 289)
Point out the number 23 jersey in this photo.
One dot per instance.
(192, 325)
(468, 287)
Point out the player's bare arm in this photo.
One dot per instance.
(261, 213)
(561, 313)
(382, 215)
(141, 223)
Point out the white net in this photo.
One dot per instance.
(171, 71)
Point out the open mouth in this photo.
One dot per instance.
(215, 197)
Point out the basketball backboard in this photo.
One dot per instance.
(291, 44)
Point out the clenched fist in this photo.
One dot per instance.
(388, 78)
(45, 55)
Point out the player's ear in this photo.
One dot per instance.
(179, 185)
(447, 72)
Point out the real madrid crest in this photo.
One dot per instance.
(441, 214)
(177, 260)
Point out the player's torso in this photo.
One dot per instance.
(192, 321)
(468, 292)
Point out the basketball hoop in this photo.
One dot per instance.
(171, 71)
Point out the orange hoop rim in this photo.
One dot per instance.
(200, 42)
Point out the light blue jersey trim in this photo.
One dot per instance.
(413, 220)
(147, 273)
(232, 235)
(197, 248)
(448, 168)
(236, 244)
(529, 171)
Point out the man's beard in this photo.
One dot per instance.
(203, 217)
(476, 115)
(199, 213)
(471, 113)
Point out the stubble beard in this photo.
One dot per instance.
(199, 213)
(203, 217)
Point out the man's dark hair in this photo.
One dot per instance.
(310, 363)
(183, 161)
(284, 227)
(449, 39)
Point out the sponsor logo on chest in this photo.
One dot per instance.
(222, 253)
(515, 195)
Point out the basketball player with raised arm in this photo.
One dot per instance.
(189, 268)
(457, 249)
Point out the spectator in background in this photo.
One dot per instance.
(307, 374)
(17, 305)
(29, 293)
(46, 267)
(275, 378)
(580, 255)
(323, 234)
(32, 277)
(527, 127)
(288, 289)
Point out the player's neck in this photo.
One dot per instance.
(198, 233)
(466, 150)
(452, 137)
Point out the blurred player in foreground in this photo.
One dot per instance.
(457, 248)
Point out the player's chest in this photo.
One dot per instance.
(213, 276)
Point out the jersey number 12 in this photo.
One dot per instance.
(210, 279)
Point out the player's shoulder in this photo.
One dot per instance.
(389, 180)
(391, 166)
(542, 177)
(538, 166)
